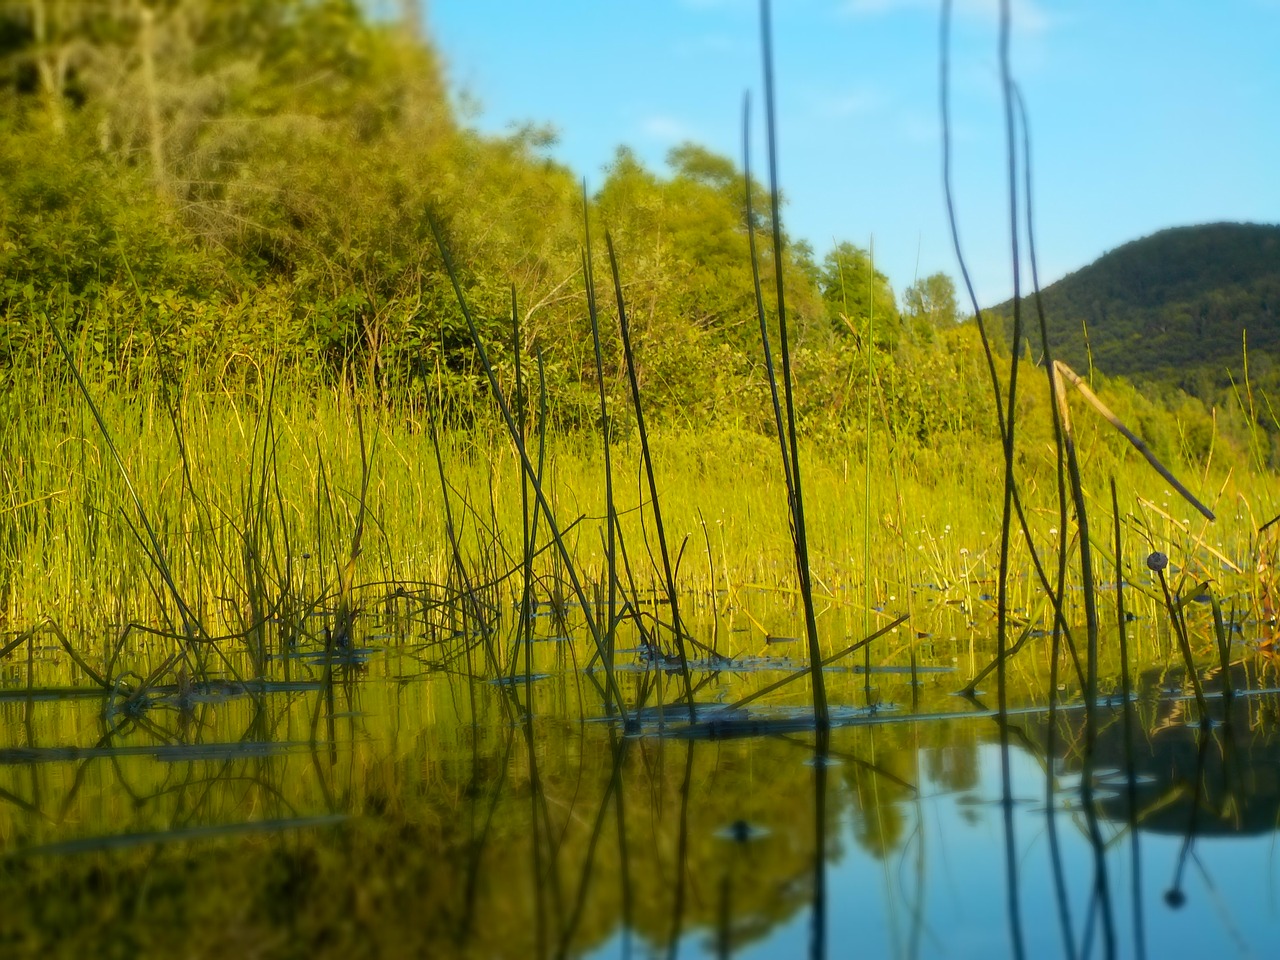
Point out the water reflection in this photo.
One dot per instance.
(366, 815)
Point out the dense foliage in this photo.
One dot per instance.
(1194, 308)
(190, 187)
(209, 192)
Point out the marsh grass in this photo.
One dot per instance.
(187, 551)
(188, 531)
(258, 505)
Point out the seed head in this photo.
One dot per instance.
(1157, 561)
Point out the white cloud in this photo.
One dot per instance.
(1025, 15)
(701, 46)
(853, 103)
(667, 129)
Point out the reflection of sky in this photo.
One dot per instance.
(960, 893)
(941, 882)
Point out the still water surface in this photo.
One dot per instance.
(403, 811)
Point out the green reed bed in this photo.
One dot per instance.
(257, 508)
(226, 567)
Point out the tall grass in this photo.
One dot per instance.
(265, 553)
(789, 445)
(192, 530)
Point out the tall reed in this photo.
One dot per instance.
(655, 504)
(606, 441)
(512, 430)
(791, 447)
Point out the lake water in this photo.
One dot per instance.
(386, 804)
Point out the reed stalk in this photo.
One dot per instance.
(821, 712)
(524, 630)
(1157, 562)
(1126, 693)
(562, 549)
(606, 441)
(677, 626)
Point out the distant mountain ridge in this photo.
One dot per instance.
(1178, 301)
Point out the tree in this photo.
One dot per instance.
(859, 298)
(932, 301)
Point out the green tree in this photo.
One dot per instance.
(932, 301)
(858, 297)
(685, 257)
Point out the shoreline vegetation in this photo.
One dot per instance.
(165, 537)
(274, 365)
(350, 461)
(168, 205)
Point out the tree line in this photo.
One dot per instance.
(210, 191)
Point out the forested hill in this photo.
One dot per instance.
(1178, 305)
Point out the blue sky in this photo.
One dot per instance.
(1143, 114)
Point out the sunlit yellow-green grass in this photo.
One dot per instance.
(255, 506)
